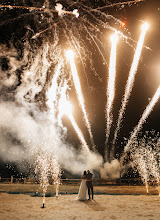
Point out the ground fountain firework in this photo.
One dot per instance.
(145, 156)
(47, 170)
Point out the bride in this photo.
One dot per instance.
(82, 195)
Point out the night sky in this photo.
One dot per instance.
(15, 25)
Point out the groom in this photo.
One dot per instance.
(89, 182)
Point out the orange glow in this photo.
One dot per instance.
(123, 24)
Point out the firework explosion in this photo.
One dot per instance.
(41, 78)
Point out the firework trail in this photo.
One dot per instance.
(111, 87)
(61, 11)
(119, 3)
(23, 7)
(94, 40)
(85, 10)
(95, 18)
(58, 9)
(70, 57)
(65, 107)
(52, 91)
(145, 115)
(61, 104)
(130, 82)
(78, 131)
(41, 32)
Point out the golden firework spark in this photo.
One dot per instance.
(70, 57)
(119, 3)
(111, 86)
(130, 81)
(145, 115)
(65, 107)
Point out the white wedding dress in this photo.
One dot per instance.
(82, 195)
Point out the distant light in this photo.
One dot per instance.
(69, 54)
(145, 26)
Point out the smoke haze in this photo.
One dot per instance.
(27, 124)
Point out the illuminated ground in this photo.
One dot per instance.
(71, 189)
(114, 205)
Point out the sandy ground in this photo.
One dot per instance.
(110, 206)
(70, 189)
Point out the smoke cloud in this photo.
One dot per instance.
(110, 170)
(27, 124)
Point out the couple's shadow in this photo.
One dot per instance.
(94, 205)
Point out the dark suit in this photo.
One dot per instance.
(89, 183)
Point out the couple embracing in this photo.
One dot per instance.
(86, 184)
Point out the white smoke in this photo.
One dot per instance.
(27, 126)
(110, 170)
(22, 136)
(9, 77)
